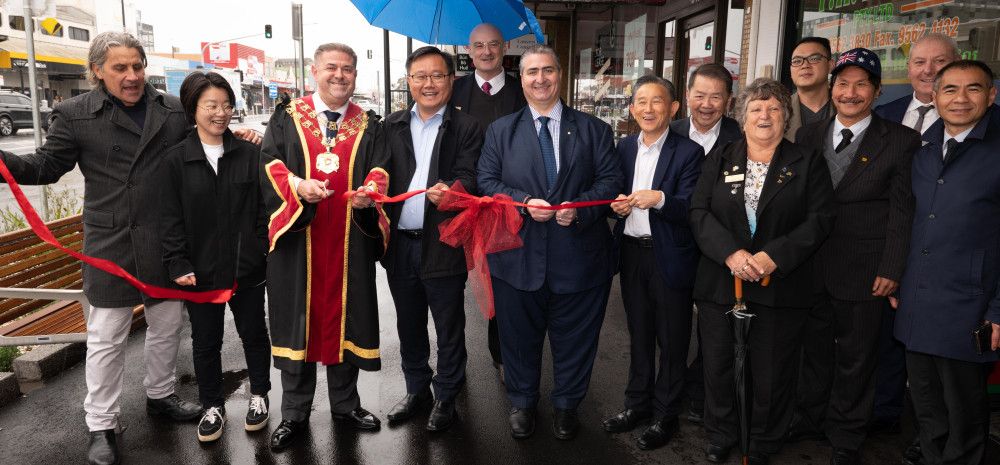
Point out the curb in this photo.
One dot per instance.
(46, 361)
(9, 390)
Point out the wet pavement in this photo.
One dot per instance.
(47, 427)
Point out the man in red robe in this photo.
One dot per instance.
(321, 268)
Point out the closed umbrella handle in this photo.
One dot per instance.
(738, 285)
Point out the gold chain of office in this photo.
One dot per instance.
(348, 128)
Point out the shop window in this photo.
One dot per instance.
(890, 28)
(77, 33)
(16, 23)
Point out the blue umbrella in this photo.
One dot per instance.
(449, 22)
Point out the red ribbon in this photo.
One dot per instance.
(156, 292)
(485, 225)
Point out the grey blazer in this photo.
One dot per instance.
(119, 163)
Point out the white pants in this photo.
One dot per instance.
(107, 330)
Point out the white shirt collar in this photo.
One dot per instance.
(657, 144)
(856, 128)
(915, 103)
(495, 83)
(321, 106)
(960, 137)
(711, 132)
(415, 113)
(554, 114)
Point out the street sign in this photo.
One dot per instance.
(272, 90)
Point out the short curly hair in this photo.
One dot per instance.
(763, 89)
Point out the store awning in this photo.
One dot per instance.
(15, 48)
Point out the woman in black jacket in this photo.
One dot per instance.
(762, 207)
(214, 234)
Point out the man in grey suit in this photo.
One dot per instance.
(118, 133)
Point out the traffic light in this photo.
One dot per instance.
(267, 31)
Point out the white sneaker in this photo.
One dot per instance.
(257, 413)
(211, 424)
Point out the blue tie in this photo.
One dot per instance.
(548, 151)
(331, 123)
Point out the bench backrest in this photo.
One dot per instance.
(27, 262)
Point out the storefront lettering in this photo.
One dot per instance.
(830, 5)
(906, 34)
(874, 14)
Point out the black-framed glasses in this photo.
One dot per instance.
(812, 59)
(212, 108)
(437, 78)
(482, 45)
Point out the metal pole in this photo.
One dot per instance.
(409, 50)
(32, 83)
(124, 27)
(385, 74)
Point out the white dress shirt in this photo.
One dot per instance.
(960, 138)
(637, 222)
(423, 134)
(495, 84)
(213, 153)
(555, 115)
(705, 140)
(857, 129)
(911, 115)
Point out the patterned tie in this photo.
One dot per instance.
(331, 123)
(951, 144)
(845, 141)
(922, 110)
(487, 87)
(548, 151)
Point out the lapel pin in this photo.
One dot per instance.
(733, 192)
(779, 181)
(725, 173)
(864, 159)
(736, 168)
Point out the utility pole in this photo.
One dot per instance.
(300, 54)
(385, 73)
(32, 85)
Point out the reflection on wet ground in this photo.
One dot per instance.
(46, 427)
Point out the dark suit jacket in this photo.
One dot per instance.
(567, 259)
(456, 150)
(794, 216)
(120, 163)
(676, 173)
(895, 110)
(464, 86)
(728, 132)
(950, 283)
(874, 207)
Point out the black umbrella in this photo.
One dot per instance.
(741, 368)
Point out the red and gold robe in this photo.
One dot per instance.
(321, 269)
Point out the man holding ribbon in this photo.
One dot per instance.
(325, 235)
(558, 282)
(118, 134)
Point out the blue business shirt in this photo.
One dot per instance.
(424, 133)
(555, 118)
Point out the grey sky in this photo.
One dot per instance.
(186, 23)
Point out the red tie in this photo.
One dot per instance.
(487, 87)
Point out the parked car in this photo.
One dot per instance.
(15, 113)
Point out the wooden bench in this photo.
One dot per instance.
(41, 301)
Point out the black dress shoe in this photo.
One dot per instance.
(174, 407)
(410, 405)
(358, 418)
(845, 457)
(565, 424)
(884, 426)
(626, 420)
(717, 454)
(757, 458)
(913, 455)
(658, 434)
(522, 422)
(285, 433)
(442, 416)
(103, 449)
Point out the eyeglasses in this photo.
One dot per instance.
(422, 78)
(481, 45)
(812, 59)
(212, 108)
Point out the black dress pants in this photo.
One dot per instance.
(816, 366)
(856, 331)
(773, 354)
(207, 330)
(298, 390)
(656, 315)
(412, 296)
(951, 406)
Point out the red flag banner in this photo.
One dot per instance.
(156, 292)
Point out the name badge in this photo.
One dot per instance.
(734, 178)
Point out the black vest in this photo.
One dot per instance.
(489, 108)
